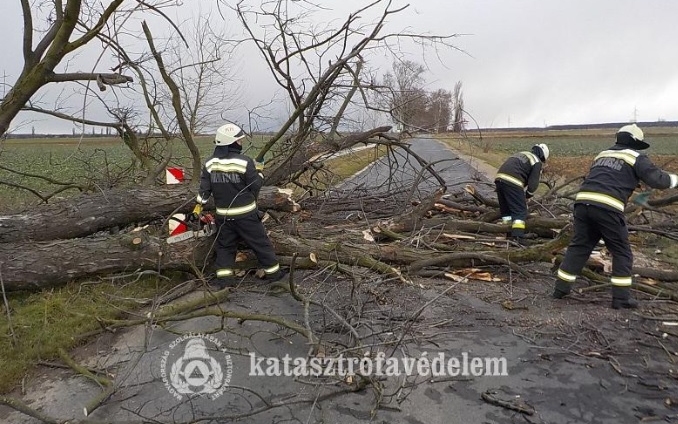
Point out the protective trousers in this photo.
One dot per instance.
(512, 205)
(591, 223)
(250, 230)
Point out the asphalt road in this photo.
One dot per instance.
(402, 170)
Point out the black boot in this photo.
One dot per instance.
(562, 289)
(621, 298)
(279, 275)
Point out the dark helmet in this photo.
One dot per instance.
(631, 136)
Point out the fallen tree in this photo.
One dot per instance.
(39, 265)
(423, 240)
(90, 213)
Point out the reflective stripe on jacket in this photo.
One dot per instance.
(522, 169)
(615, 173)
(233, 180)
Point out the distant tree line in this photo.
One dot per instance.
(413, 108)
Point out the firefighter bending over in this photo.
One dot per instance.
(516, 181)
(599, 212)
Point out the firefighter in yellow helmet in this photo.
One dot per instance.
(235, 180)
(599, 212)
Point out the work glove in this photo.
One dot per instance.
(197, 211)
(529, 195)
(674, 180)
(259, 165)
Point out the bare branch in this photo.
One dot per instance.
(102, 79)
(92, 33)
(176, 103)
(71, 118)
(28, 31)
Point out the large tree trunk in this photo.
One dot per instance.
(39, 265)
(87, 214)
(36, 266)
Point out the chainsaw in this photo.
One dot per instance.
(641, 199)
(182, 229)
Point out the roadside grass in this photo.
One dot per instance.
(39, 324)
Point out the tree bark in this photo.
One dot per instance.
(36, 266)
(87, 214)
(543, 227)
(40, 265)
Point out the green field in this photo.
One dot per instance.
(102, 163)
(93, 163)
(571, 151)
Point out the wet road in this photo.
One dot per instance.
(402, 170)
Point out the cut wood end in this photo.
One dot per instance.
(136, 240)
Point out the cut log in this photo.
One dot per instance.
(87, 214)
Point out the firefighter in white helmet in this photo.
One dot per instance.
(516, 181)
(599, 212)
(234, 180)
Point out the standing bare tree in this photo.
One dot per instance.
(439, 110)
(71, 26)
(207, 74)
(408, 95)
(458, 123)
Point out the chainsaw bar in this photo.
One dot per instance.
(208, 228)
(208, 231)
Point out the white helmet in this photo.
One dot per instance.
(632, 136)
(634, 130)
(228, 134)
(544, 149)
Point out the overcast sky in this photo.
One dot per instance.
(527, 62)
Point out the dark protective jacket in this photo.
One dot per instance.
(233, 180)
(522, 169)
(615, 173)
